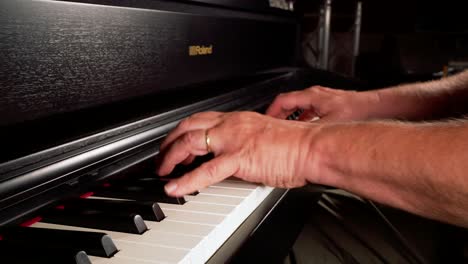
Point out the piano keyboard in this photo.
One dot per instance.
(190, 233)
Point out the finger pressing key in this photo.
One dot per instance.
(190, 143)
(208, 173)
(286, 104)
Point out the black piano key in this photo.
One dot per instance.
(138, 191)
(149, 182)
(83, 217)
(138, 195)
(94, 243)
(148, 210)
(28, 253)
(194, 193)
(295, 115)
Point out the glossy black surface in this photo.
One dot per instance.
(257, 6)
(98, 219)
(93, 243)
(85, 67)
(61, 57)
(27, 253)
(147, 210)
(138, 192)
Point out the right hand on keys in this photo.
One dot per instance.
(325, 104)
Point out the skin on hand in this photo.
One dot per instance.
(326, 104)
(255, 147)
(420, 168)
(248, 145)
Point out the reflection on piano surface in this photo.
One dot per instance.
(89, 88)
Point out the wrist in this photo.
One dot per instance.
(332, 154)
(317, 146)
(413, 103)
(373, 102)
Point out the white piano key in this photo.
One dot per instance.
(192, 206)
(162, 239)
(193, 217)
(174, 227)
(175, 240)
(236, 185)
(151, 252)
(214, 199)
(149, 246)
(192, 232)
(232, 221)
(226, 192)
(122, 260)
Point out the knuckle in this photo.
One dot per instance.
(248, 115)
(184, 124)
(211, 113)
(245, 120)
(315, 87)
(295, 93)
(314, 90)
(237, 117)
(188, 138)
(211, 171)
(197, 115)
(283, 96)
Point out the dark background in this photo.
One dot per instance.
(401, 41)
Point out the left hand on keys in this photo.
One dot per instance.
(248, 145)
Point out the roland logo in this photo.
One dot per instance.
(197, 50)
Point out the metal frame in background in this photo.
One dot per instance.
(324, 35)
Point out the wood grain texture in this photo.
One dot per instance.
(60, 57)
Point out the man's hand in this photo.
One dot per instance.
(326, 104)
(248, 145)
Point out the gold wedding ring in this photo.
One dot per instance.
(207, 141)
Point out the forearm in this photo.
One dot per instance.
(419, 168)
(426, 100)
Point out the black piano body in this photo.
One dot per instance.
(90, 88)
